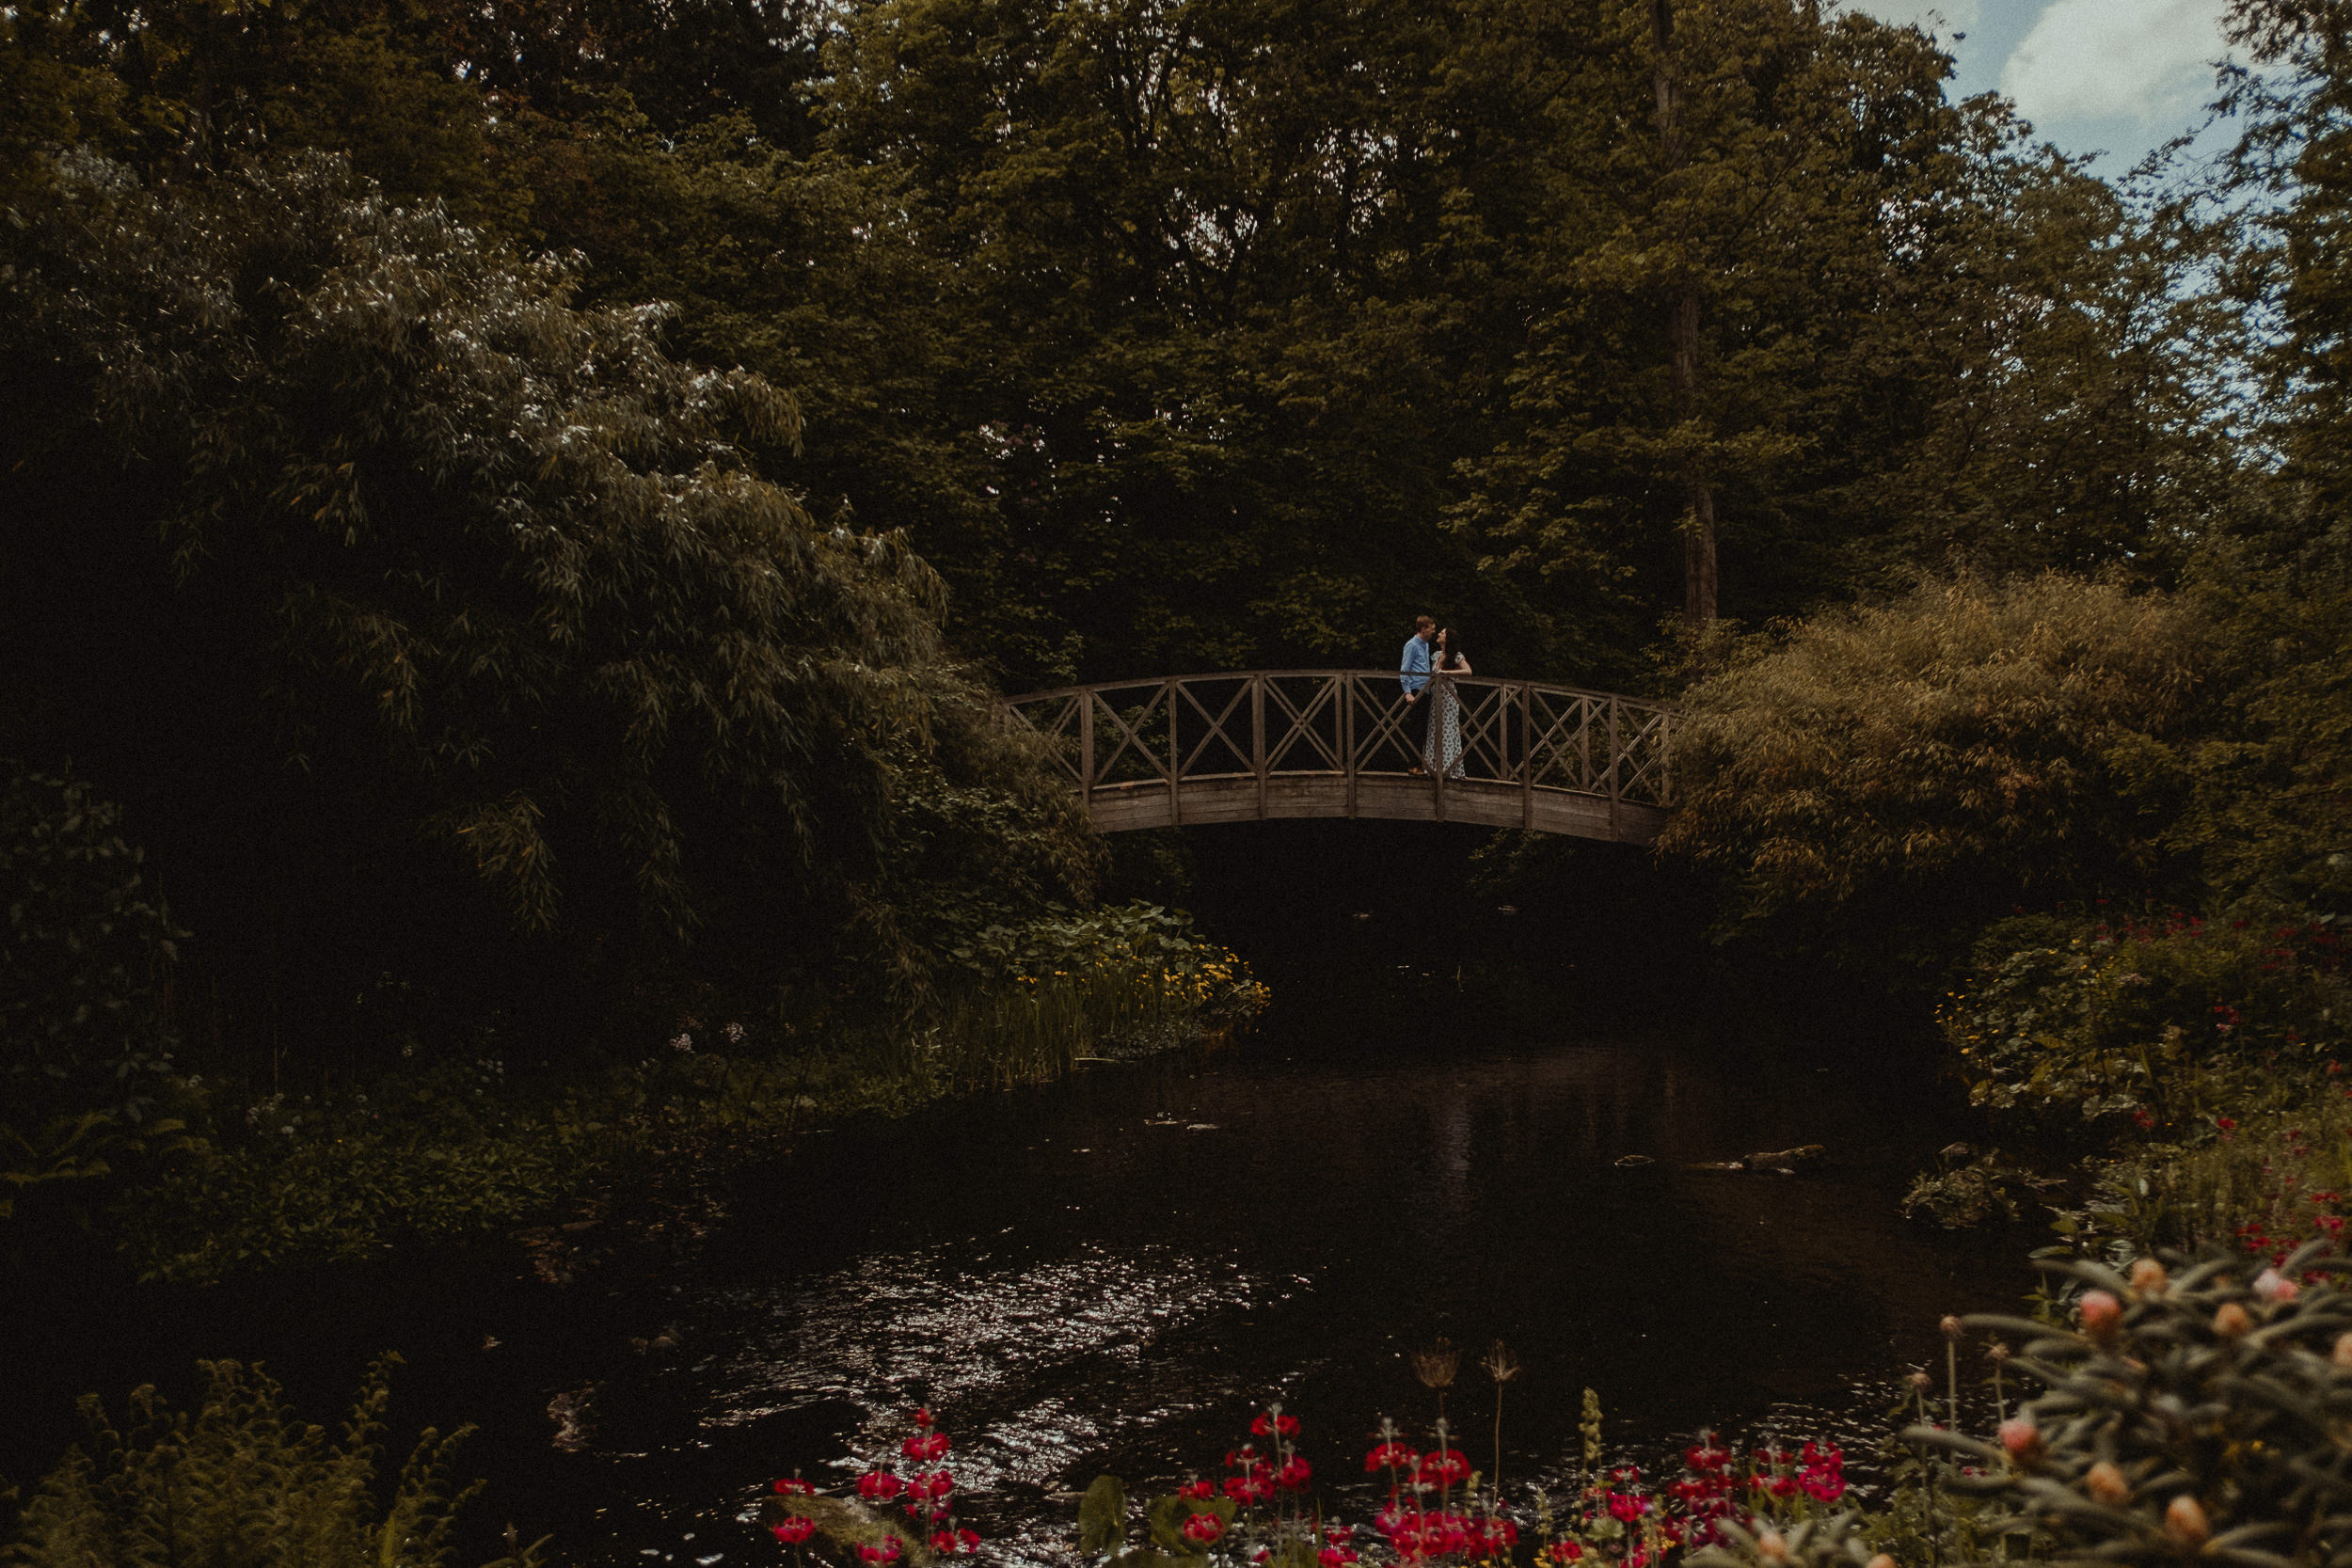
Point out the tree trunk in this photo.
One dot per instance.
(1699, 520)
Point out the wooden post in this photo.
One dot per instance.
(1434, 746)
(1085, 749)
(1175, 804)
(1527, 758)
(1665, 759)
(1613, 760)
(1257, 737)
(1343, 693)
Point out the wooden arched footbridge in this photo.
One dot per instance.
(1261, 744)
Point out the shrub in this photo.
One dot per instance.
(86, 947)
(1903, 772)
(2162, 1020)
(242, 1480)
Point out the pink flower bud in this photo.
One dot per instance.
(2343, 1356)
(1882, 1560)
(2148, 1279)
(2106, 1484)
(2273, 1286)
(1770, 1547)
(2185, 1521)
(2022, 1438)
(2232, 1322)
(2102, 1314)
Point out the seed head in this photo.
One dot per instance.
(2106, 1484)
(2232, 1322)
(1499, 1364)
(1997, 1353)
(1952, 1330)
(2148, 1279)
(1437, 1365)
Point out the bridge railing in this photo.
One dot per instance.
(1270, 724)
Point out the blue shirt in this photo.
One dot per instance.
(1413, 674)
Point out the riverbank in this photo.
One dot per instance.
(630, 1154)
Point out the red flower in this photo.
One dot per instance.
(937, 1485)
(1198, 1490)
(1270, 1425)
(1203, 1527)
(1335, 1557)
(922, 1416)
(1293, 1476)
(794, 1530)
(1251, 1488)
(1245, 1458)
(924, 1445)
(1339, 1535)
(1706, 1456)
(887, 1552)
(2226, 1123)
(1624, 1507)
(879, 1484)
(1443, 1468)
(952, 1541)
(793, 1486)
(1390, 1456)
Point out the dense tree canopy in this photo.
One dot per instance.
(560, 477)
(1181, 335)
(433, 603)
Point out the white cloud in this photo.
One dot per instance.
(2142, 60)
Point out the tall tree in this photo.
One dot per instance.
(452, 630)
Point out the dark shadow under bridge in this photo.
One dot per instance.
(1264, 744)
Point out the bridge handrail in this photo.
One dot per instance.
(1332, 671)
(1527, 736)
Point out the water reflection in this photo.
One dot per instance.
(1109, 1275)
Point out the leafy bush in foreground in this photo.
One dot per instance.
(242, 1481)
(2190, 1414)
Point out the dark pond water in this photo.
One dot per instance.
(1112, 1273)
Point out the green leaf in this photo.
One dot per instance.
(1103, 1516)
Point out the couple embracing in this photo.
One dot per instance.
(1430, 662)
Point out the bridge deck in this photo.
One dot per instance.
(1269, 744)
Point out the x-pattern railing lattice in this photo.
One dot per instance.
(1349, 723)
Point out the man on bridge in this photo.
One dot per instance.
(1413, 669)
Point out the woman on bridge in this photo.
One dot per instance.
(1441, 752)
